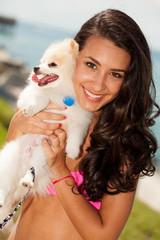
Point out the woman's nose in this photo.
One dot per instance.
(99, 83)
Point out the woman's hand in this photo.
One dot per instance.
(54, 148)
(34, 125)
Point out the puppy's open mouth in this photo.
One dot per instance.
(48, 78)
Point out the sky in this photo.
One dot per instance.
(71, 14)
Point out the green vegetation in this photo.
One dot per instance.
(6, 113)
(143, 223)
(3, 132)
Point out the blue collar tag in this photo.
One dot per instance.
(69, 101)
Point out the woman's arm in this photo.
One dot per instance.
(33, 125)
(108, 222)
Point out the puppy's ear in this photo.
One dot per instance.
(74, 48)
(42, 59)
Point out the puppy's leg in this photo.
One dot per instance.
(28, 179)
(75, 137)
(32, 101)
(9, 156)
(43, 174)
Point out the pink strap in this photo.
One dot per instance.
(63, 178)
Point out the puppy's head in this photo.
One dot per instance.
(57, 64)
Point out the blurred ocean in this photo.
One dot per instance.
(28, 42)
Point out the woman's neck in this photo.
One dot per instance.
(96, 115)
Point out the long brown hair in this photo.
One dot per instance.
(122, 145)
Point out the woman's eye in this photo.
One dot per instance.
(52, 64)
(91, 65)
(116, 75)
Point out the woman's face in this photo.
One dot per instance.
(99, 73)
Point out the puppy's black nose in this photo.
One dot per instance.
(36, 69)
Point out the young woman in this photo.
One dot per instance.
(113, 78)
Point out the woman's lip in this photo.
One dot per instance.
(97, 97)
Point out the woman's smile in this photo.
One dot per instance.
(99, 73)
(93, 97)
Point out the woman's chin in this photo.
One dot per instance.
(89, 107)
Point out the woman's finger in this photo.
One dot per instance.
(43, 115)
(55, 143)
(60, 133)
(38, 123)
(36, 130)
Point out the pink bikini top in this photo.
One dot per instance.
(79, 179)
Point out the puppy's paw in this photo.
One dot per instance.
(72, 152)
(27, 180)
(26, 183)
(28, 111)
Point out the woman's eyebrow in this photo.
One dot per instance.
(119, 70)
(94, 60)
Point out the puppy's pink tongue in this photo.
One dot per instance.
(35, 78)
(45, 80)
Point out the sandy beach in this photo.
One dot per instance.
(148, 191)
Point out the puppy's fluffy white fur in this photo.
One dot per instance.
(17, 157)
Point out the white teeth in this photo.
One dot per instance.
(91, 94)
(40, 76)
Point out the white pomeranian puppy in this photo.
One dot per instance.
(51, 81)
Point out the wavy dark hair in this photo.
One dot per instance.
(122, 145)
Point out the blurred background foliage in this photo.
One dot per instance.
(6, 113)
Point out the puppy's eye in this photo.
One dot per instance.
(52, 64)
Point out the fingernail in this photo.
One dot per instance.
(60, 124)
(65, 117)
(65, 107)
